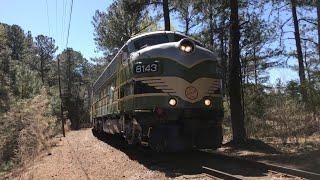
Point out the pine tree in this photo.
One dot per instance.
(16, 42)
(122, 20)
(237, 115)
(73, 68)
(186, 13)
(302, 75)
(45, 47)
(166, 15)
(4, 69)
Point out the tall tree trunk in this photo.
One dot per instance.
(237, 116)
(255, 66)
(302, 75)
(318, 14)
(69, 73)
(211, 29)
(223, 48)
(306, 62)
(61, 105)
(223, 57)
(187, 25)
(166, 15)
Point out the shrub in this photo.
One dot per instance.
(25, 130)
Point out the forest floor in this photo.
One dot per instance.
(303, 156)
(81, 155)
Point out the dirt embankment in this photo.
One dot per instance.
(25, 130)
(82, 156)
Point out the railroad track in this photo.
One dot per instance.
(216, 174)
(205, 165)
(290, 172)
(209, 173)
(272, 169)
(280, 170)
(266, 170)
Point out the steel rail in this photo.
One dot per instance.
(277, 168)
(219, 174)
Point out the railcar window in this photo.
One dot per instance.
(126, 90)
(150, 41)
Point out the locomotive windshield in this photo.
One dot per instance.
(154, 39)
(178, 37)
(150, 41)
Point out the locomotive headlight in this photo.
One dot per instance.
(182, 48)
(188, 49)
(172, 102)
(207, 102)
(187, 46)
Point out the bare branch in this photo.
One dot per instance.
(305, 39)
(308, 21)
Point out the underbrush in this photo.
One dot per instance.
(282, 122)
(25, 130)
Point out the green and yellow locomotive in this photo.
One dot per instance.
(162, 89)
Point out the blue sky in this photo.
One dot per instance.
(31, 15)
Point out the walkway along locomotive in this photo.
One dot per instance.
(162, 89)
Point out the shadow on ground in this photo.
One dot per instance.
(253, 145)
(257, 150)
(308, 161)
(183, 163)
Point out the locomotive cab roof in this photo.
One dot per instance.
(138, 36)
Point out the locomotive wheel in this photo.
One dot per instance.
(97, 128)
(96, 125)
(161, 146)
(133, 133)
(158, 141)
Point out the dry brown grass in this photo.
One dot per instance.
(284, 124)
(25, 130)
(291, 127)
(290, 121)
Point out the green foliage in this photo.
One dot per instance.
(187, 13)
(314, 96)
(122, 20)
(292, 89)
(27, 65)
(45, 49)
(75, 84)
(255, 104)
(4, 70)
(26, 118)
(28, 82)
(16, 41)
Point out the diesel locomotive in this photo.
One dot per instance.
(164, 90)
